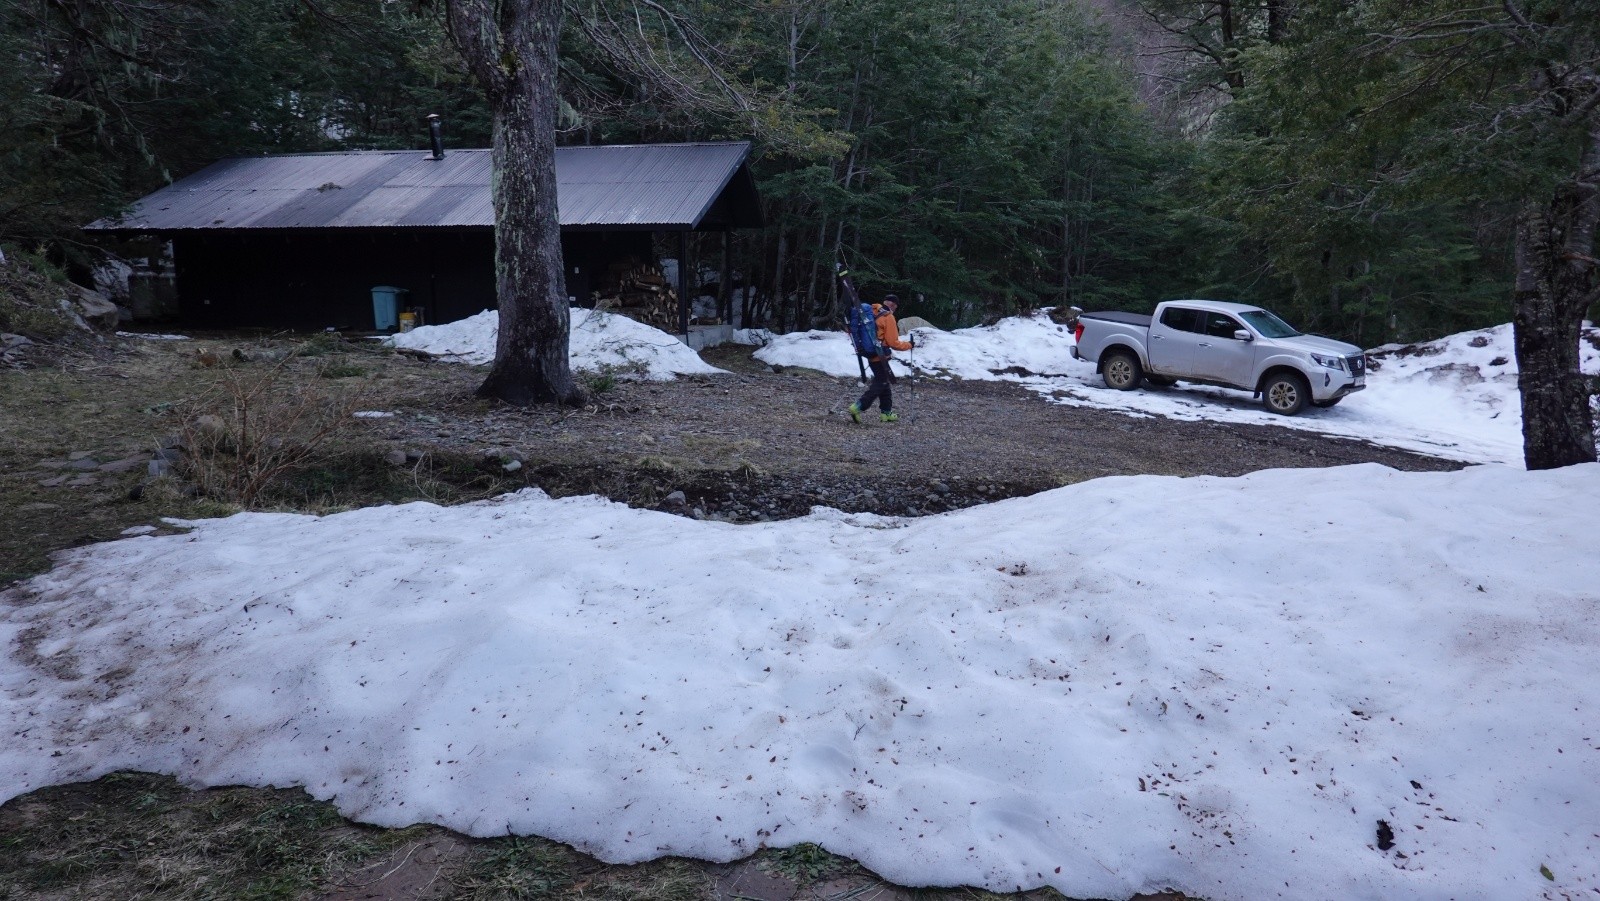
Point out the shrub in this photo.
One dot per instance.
(250, 430)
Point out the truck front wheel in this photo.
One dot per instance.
(1286, 393)
(1122, 371)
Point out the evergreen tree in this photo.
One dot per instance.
(1392, 127)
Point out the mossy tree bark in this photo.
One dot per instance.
(510, 45)
(1558, 278)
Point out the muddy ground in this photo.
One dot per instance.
(79, 432)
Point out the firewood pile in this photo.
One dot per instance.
(638, 290)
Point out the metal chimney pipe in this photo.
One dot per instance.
(436, 135)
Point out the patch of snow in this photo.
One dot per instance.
(755, 337)
(372, 414)
(1220, 685)
(148, 336)
(599, 341)
(1454, 398)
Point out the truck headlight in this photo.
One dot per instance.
(1329, 362)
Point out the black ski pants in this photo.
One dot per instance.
(881, 389)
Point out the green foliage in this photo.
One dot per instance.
(996, 160)
(1355, 166)
(601, 381)
(110, 100)
(1370, 167)
(523, 868)
(805, 862)
(31, 297)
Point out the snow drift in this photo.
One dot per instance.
(1219, 685)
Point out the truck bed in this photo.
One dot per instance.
(1139, 319)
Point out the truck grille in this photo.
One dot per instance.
(1357, 364)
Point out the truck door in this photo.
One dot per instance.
(1173, 337)
(1222, 357)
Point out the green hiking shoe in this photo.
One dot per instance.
(855, 412)
(889, 417)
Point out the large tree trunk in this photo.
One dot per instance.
(1556, 282)
(511, 48)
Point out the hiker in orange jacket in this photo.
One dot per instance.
(882, 377)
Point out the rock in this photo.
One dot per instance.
(8, 341)
(95, 309)
(397, 458)
(512, 466)
(83, 481)
(127, 464)
(169, 454)
(84, 464)
(78, 455)
(676, 499)
(53, 483)
(413, 456)
(159, 467)
(939, 487)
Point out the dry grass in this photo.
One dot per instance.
(247, 432)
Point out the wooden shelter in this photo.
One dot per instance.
(300, 240)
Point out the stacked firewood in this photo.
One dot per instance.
(638, 290)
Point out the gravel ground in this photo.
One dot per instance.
(76, 435)
(758, 444)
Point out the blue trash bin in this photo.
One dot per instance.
(386, 306)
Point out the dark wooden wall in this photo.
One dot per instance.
(323, 278)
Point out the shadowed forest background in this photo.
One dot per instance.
(981, 157)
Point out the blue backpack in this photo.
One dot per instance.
(864, 330)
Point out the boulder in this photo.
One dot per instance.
(96, 309)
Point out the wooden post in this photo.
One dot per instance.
(724, 290)
(683, 285)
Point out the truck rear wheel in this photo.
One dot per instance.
(1122, 371)
(1286, 393)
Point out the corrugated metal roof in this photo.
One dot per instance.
(633, 186)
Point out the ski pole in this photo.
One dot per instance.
(911, 400)
(852, 299)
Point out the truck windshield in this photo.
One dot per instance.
(1268, 325)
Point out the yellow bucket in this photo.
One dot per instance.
(408, 321)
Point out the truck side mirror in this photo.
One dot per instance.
(1240, 334)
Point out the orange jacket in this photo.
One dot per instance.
(888, 331)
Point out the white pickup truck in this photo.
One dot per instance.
(1215, 343)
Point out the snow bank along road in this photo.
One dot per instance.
(1220, 685)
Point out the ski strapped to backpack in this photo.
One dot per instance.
(860, 320)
